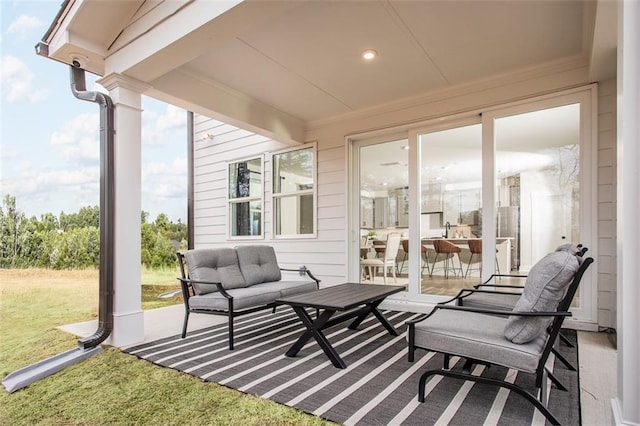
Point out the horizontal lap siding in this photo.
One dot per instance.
(607, 204)
(324, 255)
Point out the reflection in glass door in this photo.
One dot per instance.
(538, 183)
(538, 186)
(384, 209)
(450, 208)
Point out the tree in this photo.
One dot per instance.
(10, 226)
(73, 240)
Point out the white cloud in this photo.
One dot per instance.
(164, 188)
(79, 139)
(39, 190)
(17, 81)
(157, 128)
(177, 168)
(24, 24)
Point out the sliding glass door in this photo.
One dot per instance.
(450, 199)
(491, 192)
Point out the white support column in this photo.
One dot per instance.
(626, 407)
(128, 321)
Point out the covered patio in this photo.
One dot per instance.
(264, 79)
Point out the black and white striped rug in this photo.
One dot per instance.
(378, 387)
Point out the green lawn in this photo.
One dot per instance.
(111, 388)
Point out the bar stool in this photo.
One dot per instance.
(449, 250)
(475, 247)
(423, 253)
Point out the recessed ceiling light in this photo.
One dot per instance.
(369, 54)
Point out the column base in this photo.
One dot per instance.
(128, 329)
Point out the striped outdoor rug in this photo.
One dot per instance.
(378, 387)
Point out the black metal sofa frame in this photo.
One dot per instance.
(190, 293)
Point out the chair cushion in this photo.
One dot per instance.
(477, 336)
(544, 289)
(258, 264)
(495, 300)
(289, 288)
(243, 298)
(569, 247)
(214, 265)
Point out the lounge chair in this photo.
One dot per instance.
(521, 339)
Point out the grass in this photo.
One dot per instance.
(111, 388)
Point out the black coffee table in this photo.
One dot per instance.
(328, 301)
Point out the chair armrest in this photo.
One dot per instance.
(185, 282)
(490, 312)
(303, 270)
(504, 313)
(469, 291)
(487, 284)
(477, 286)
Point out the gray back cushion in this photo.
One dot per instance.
(258, 264)
(570, 247)
(545, 287)
(214, 265)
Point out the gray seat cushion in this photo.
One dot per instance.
(477, 336)
(495, 300)
(243, 298)
(546, 285)
(288, 288)
(214, 265)
(258, 264)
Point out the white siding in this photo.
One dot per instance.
(607, 204)
(215, 144)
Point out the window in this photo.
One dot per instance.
(294, 192)
(245, 198)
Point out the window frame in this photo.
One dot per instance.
(276, 196)
(234, 201)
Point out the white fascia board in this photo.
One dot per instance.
(64, 44)
(191, 92)
(171, 42)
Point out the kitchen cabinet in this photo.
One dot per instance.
(401, 196)
(461, 206)
(366, 212)
(380, 212)
(431, 198)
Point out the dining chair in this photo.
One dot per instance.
(387, 261)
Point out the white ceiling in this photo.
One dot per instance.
(302, 58)
(306, 61)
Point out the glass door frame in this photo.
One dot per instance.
(586, 96)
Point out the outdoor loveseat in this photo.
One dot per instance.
(236, 281)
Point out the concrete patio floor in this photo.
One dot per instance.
(596, 354)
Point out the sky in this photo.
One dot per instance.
(49, 140)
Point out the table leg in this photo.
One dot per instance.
(314, 329)
(373, 308)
